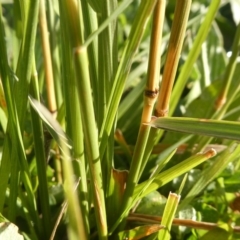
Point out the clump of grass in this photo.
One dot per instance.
(81, 84)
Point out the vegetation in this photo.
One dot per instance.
(119, 119)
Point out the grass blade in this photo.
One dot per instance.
(208, 127)
(13, 145)
(112, 17)
(76, 226)
(193, 55)
(74, 128)
(229, 155)
(132, 44)
(138, 196)
(166, 176)
(41, 162)
(168, 215)
(52, 105)
(82, 78)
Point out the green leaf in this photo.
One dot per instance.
(217, 233)
(208, 127)
(203, 106)
(232, 184)
(152, 204)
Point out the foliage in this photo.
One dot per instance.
(110, 112)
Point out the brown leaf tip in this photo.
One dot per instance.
(211, 153)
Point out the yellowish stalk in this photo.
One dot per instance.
(149, 100)
(47, 59)
(175, 46)
(154, 62)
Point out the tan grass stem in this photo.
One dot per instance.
(52, 106)
(174, 49)
(152, 84)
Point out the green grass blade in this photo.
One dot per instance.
(229, 72)
(14, 189)
(116, 187)
(209, 174)
(13, 139)
(73, 121)
(82, 76)
(168, 175)
(105, 69)
(106, 72)
(168, 215)
(5, 78)
(208, 127)
(225, 97)
(76, 225)
(41, 161)
(193, 55)
(112, 17)
(24, 66)
(51, 125)
(96, 5)
(90, 25)
(41, 168)
(137, 30)
(167, 151)
(230, 75)
(91, 139)
(138, 196)
(150, 95)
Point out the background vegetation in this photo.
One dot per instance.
(82, 156)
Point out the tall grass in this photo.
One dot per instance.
(92, 103)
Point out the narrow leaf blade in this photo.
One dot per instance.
(208, 127)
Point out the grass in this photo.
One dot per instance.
(106, 104)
